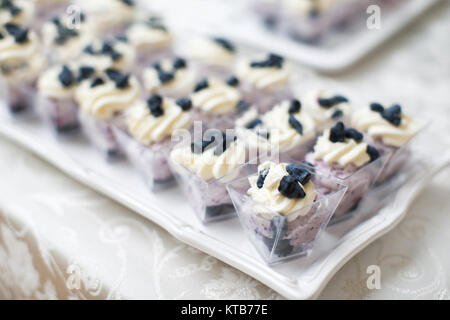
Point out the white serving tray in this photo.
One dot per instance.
(303, 278)
(232, 19)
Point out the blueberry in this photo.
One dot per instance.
(377, 107)
(242, 106)
(225, 44)
(295, 124)
(109, 50)
(165, 77)
(339, 99)
(272, 61)
(15, 11)
(85, 72)
(66, 77)
(64, 33)
(89, 49)
(121, 80)
(393, 114)
(97, 82)
(373, 153)
(290, 188)
(298, 172)
(201, 145)
(184, 103)
(179, 63)
(1, 35)
(154, 103)
(295, 106)
(156, 23)
(122, 38)
(20, 35)
(129, 3)
(337, 133)
(337, 114)
(254, 123)
(330, 102)
(261, 177)
(233, 81)
(353, 134)
(203, 84)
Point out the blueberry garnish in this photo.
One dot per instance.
(295, 124)
(85, 72)
(262, 177)
(393, 114)
(254, 123)
(11, 7)
(295, 106)
(179, 63)
(203, 84)
(290, 188)
(337, 133)
(122, 38)
(184, 103)
(66, 77)
(63, 32)
(156, 23)
(337, 114)
(353, 134)
(97, 82)
(129, 3)
(377, 107)
(154, 104)
(121, 80)
(108, 49)
(20, 35)
(164, 76)
(298, 172)
(373, 153)
(1, 35)
(201, 145)
(242, 106)
(233, 81)
(330, 102)
(224, 44)
(272, 61)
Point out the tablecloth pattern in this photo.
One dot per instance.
(62, 240)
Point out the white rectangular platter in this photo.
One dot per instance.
(232, 19)
(303, 278)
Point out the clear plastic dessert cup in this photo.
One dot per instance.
(395, 157)
(62, 114)
(279, 237)
(358, 180)
(151, 161)
(209, 199)
(101, 134)
(19, 97)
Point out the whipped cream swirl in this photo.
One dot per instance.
(19, 12)
(378, 127)
(216, 96)
(20, 54)
(58, 82)
(103, 98)
(150, 34)
(267, 200)
(324, 105)
(214, 52)
(148, 128)
(208, 164)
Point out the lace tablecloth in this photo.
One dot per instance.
(59, 239)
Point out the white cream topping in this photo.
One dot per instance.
(320, 113)
(20, 61)
(72, 47)
(102, 61)
(181, 85)
(304, 7)
(107, 14)
(50, 86)
(218, 98)
(377, 127)
(264, 78)
(104, 101)
(209, 166)
(210, 52)
(282, 133)
(268, 201)
(23, 18)
(342, 153)
(142, 36)
(148, 129)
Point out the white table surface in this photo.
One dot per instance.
(52, 227)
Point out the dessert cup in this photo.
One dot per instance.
(208, 197)
(19, 97)
(62, 114)
(280, 237)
